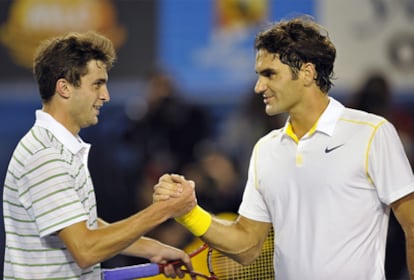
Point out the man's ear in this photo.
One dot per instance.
(309, 73)
(63, 88)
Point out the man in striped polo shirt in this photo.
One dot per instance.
(50, 214)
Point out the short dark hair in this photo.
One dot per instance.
(301, 40)
(67, 57)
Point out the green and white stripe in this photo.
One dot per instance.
(47, 188)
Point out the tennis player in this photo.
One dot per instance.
(50, 213)
(326, 181)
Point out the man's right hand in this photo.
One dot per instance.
(177, 192)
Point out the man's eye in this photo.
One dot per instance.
(98, 84)
(268, 74)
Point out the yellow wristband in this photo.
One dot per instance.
(197, 221)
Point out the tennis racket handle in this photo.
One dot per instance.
(131, 272)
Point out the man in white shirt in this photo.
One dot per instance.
(326, 181)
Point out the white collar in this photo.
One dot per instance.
(70, 141)
(330, 116)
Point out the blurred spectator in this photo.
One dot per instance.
(375, 96)
(166, 132)
(217, 181)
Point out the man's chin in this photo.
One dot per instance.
(270, 112)
(274, 110)
(91, 123)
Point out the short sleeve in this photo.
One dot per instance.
(388, 165)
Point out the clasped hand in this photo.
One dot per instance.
(177, 192)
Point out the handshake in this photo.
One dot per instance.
(179, 197)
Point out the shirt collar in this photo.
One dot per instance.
(74, 143)
(326, 122)
(330, 117)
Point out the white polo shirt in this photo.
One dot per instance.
(328, 194)
(47, 188)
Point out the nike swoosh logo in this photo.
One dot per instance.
(328, 150)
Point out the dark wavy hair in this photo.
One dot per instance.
(67, 57)
(301, 40)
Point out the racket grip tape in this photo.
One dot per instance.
(130, 272)
(197, 221)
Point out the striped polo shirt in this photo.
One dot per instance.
(328, 194)
(47, 188)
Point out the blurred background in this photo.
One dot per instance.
(182, 90)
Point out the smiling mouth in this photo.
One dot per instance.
(97, 108)
(266, 98)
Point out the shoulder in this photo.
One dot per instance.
(37, 147)
(359, 117)
(265, 142)
(276, 133)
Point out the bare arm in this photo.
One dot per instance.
(89, 247)
(404, 212)
(241, 239)
(154, 250)
(151, 249)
